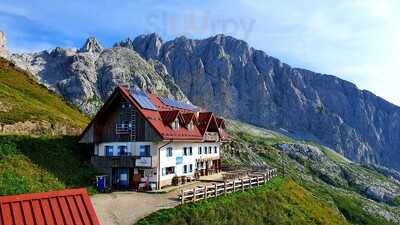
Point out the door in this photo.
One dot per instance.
(123, 178)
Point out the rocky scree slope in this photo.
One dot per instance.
(234, 80)
(362, 194)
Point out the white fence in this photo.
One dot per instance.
(214, 190)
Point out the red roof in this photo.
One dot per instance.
(52, 208)
(161, 118)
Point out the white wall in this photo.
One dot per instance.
(187, 160)
(134, 148)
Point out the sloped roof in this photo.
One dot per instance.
(169, 116)
(71, 206)
(160, 119)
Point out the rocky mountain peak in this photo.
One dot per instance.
(91, 45)
(148, 46)
(127, 43)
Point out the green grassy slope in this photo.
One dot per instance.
(23, 99)
(35, 164)
(42, 162)
(281, 201)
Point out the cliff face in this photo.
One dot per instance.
(240, 82)
(234, 80)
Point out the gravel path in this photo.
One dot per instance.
(126, 208)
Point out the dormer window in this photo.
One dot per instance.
(190, 126)
(175, 124)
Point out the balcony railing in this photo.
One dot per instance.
(211, 136)
(123, 128)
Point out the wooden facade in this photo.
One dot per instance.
(104, 128)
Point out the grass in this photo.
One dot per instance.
(281, 201)
(37, 164)
(23, 99)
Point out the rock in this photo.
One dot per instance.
(343, 175)
(38, 128)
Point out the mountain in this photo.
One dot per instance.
(228, 77)
(87, 76)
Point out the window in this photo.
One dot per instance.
(205, 150)
(122, 150)
(169, 152)
(209, 149)
(215, 149)
(144, 150)
(200, 150)
(190, 126)
(190, 151)
(168, 170)
(109, 150)
(175, 124)
(184, 151)
(184, 168)
(190, 168)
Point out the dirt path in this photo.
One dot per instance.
(126, 208)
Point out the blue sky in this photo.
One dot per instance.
(356, 40)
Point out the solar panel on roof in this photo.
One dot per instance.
(143, 100)
(177, 104)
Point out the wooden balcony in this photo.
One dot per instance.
(211, 136)
(121, 161)
(113, 161)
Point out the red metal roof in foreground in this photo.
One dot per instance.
(51, 208)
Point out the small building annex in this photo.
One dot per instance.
(141, 139)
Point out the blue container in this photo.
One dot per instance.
(101, 183)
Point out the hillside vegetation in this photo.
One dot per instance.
(320, 187)
(46, 160)
(281, 201)
(23, 99)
